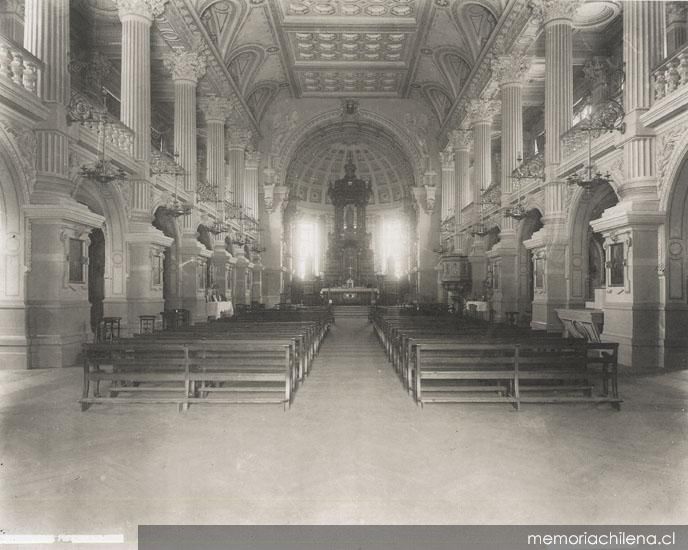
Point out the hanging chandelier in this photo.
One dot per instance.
(103, 170)
(165, 166)
(528, 169)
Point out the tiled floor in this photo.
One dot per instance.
(354, 448)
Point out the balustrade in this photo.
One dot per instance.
(18, 65)
(671, 75)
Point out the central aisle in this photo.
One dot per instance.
(353, 448)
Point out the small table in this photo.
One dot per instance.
(175, 318)
(147, 324)
(108, 329)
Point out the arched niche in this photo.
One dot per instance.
(586, 261)
(674, 270)
(171, 282)
(14, 191)
(528, 226)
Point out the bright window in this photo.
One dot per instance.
(394, 248)
(307, 247)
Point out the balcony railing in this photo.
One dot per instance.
(18, 65)
(89, 114)
(671, 75)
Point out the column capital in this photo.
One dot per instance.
(214, 108)
(483, 110)
(547, 11)
(675, 12)
(461, 139)
(252, 159)
(239, 138)
(510, 69)
(447, 157)
(147, 9)
(186, 65)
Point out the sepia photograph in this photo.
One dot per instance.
(343, 274)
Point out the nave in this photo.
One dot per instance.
(352, 449)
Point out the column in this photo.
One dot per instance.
(135, 95)
(251, 164)
(550, 242)
(448, 182)
(238, 139)
(427, 232)
(676, 26)
(275, 198)
(510, 71)
(461, 140)
(633, 313)
(187, 68)
(216, 109)
(482, 112)
(46, 35)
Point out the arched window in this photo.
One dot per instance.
(307, 248)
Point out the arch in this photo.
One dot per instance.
(586, 206)
(477, 21)
(288, 147)
(221, 19)
(524, 265)
(439, 98)
(259, 98)
(109, 202)
(673, 266)
(14, 195)
(454, 64)
(243, 63)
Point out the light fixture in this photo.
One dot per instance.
(606, 117)
(160, 165)
(102, 170)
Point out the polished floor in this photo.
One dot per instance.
(353, 449)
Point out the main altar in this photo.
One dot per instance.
(349, 255)
(358, 296)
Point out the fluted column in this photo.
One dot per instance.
(135, 91)
(510, 71)
(238, 139)
(676, 25)
(46, 35)
(187, 68)
(216, 109)
(461, 141)
(558, 21)
(251, 164)
(643, 38)
(448, 182)
(482, 111)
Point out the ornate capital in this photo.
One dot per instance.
(148, 9)
(447, 157)
(238, 138)
(461, 139)
(483, 110)
(252, 159)
(215, 109)
(675, 12)
(186, 65)
(547, 11)
(510, 69)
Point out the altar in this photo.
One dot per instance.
(359, 296)
(216, 310)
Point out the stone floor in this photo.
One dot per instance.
(353, 449)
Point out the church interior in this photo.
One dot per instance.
(280, 261)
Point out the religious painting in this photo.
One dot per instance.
(616, 264)
(539, 273)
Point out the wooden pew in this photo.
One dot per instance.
(184, 373)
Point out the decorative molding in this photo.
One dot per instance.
(547, 11)
(149, 9)
(186, 65)
(25, 146)
(239, 138)
(510, 69)
(461, 139)
(216, 109)
(665, 150)
(483, 110)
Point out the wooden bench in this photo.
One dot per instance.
(140, 371)
(536, 372)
